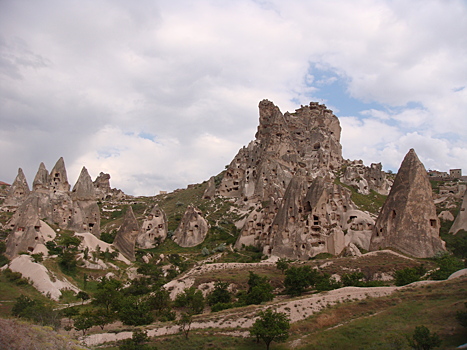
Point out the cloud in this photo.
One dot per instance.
(162, 94)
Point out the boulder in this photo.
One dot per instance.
(192, 230)
(408, 221)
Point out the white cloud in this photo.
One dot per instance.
(81, 80)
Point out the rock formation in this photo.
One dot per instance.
(127, 234)
(366, 178)
(18, 192)
(310, 220)
(210, 191)
(102, 186)
(304, 143)
(58, 180)
(192, 230)
(42, 180)
(408, 220)
(83, 190)
(461, 219)
(153, 230)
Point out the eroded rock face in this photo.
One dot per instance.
(192, 230)
(126, 236)
(18, 192)
(303, 143)
(41, 180)
(311, 219)
(210, 191)
(58, 180)
(461, 219)
(366, 178)
(83, 190)
(408, 220)
(153, 230)
(25, 226)
(102, 186)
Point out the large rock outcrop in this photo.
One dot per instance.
(41, 181)
(18, 192)
(192, 230)
(153, 230)
(408, 220)
(366, 179)
(304, 143)
(460, 223)
(58, 180)
(126, 235)
(311, 219)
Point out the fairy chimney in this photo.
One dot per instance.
(408, 220)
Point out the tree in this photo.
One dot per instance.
(448, 264)
(422, 339)
(101, 317)
(220, 294)
(259, 290)
(282, 264)
(298, 279)
(83, 296)
(192, 299)
(134, 311)
(137, 341)
(353, 279)
(108, 293)
(83, 321)
(409, 275)
(271, 326)
(185, 323)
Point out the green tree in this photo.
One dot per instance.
(83, 321)
(409, 275)
(220, 294)
(259, 290)
(353, 279)
(108, 293)
(185, 323)
(271, 326)
(101, 317)
(192, 299)
(83, 296)
(134, 311)
(298, 279)
(448, 264)
(422, 339)
(282, 264)
(137, 341)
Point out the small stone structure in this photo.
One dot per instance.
(153, 230)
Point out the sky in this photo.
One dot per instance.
(162, 94)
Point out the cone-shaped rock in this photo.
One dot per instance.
(192, 229)
(58, 177)
(25, 228)
(210, 191)
(42, 180)
(84, 188)
(408, 220)
(126, 235)
(461, 219)
(19, 190)
(154, 229)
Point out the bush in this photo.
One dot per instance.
(448, 264)
(422, 339)
(409, 275)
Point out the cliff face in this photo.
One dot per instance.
(305, 143)
(288, 174)
(408, 220)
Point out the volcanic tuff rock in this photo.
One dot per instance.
(126, 235)
(58, 178)
(192, 230)
(19, 190)
(210, 191)
(304, 143)
(408, 220)
(366, 178)
(461, 219)
(153, 230)
(41, 180)
(83, 190)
